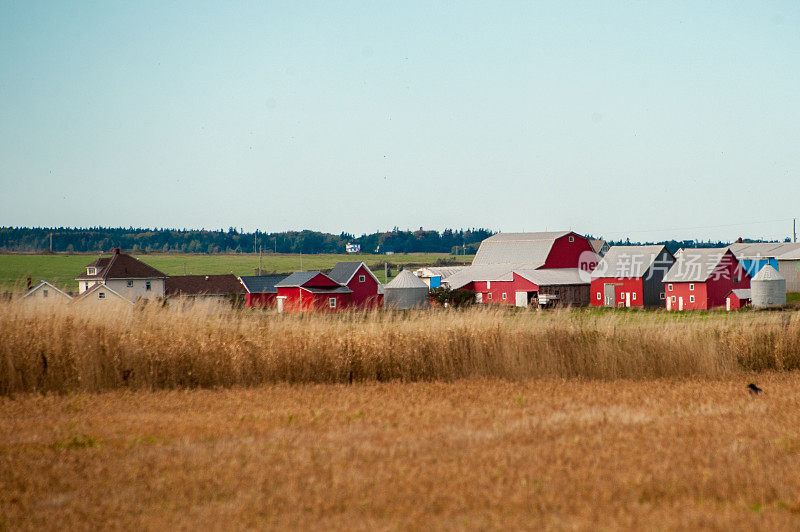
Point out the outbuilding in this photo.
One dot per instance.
(631, 276)
(361, 281)
(46, 293)
(261, 290)
(738, 298)
(701, 278)
(311, 291)
(406, 291)
(768, 288)
(219, 287)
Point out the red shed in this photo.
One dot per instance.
(261, 291)
(359, 278)
(631, 276)
(701, 278)
(311, 292)
(738, 298)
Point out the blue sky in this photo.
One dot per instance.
(644, 119)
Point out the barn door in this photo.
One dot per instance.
(627, 299)
(478, 297)
(522, 299)
(280, 303)
(680, 302)
(609, 295)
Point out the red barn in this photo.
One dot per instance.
(631, 276)
(530, 268)
(311, 292)
(261, 291)
(701, 278)
(359, 278)
(738, 298)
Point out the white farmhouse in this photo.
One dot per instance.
(126, 276)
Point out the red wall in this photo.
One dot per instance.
(736, 303)
(711, 293)
(365, 295)
(259, 300)
(566, 254)
(298, 300)
(632, 285)
(519, 284)
(679, 290)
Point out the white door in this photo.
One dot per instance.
(669, 303)
(728, 304)
(680, 302)
(280, 303)
(478, 297)
(522, 299)
(627, 299)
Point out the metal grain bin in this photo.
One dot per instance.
(406, 291)
(768, 288)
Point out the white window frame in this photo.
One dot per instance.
(505, 296)
(489, 295)
(101, 295)
(91, 271)
(572, 239)
(488, 285)
(147, 286)
(599, 296)
(673, 299)
(669, 287)
(691, 287)
(362, 278)
(331, 302)
(691, 298)
(633, 296)
(130, 284)
(662, 296)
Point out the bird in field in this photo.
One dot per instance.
(755, 390)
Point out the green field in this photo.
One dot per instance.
(61, 269)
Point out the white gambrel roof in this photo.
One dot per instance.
(485, 272)
(768, 273)
(555, 276)
(695, 264)
(517, 248)
(627, 261)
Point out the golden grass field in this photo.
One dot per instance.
(190, 416)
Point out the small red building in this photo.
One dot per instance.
(359, 278)
(738, 298)
(311, 292)
(260, 290)
(631, 276)
(701, 278)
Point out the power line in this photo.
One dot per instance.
(698, 227)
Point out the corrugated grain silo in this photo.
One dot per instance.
(406, 291)
(768, 288)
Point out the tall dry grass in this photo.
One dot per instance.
(66, 348)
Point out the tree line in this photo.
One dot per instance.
(102, 239)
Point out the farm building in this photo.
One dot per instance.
(524, 269)
(260, 290)
(432, 276)
(406, 291)
(125, 275)
(599, 246)
(100, 294)
(789, 267)
(46, 293)
(311, 291)
(737, 298)
(630, 276)
(701, 278)
(768, 288)
(361, 281)
(204, 286)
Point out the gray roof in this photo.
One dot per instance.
(327, 289)
(764, 249)
(742, 293)
(695, 264)
(768, 273)
(344, 271)
(485, 272)
(298, 278)
(405, 279)
(555, 276)
(627, 261)
(791, 254)
(442, 271)
(509, 248)
(261, 284)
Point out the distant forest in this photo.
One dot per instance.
(100, 239)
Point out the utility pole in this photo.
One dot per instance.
(259, 260)
(51, 242)
(255, 241)
(301, 260)
(385, 272)
(794, 229)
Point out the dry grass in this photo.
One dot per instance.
(485, 453)
(73, 348)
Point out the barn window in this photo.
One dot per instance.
(634, 296)
(489, 295)
(669, 288)
(673, 299)
(599, 297)
(505, 296)
(130, 284)
(44, 293)
(572, 239)
(332, 302)
(362, 278)
(691, 299)
(90, 271)
(147, 286)
(557, 292)
(691, 286)
(735, 279)
(661, 296)
(101, 295)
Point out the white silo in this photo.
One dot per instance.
(768, 288)
(406, 291)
